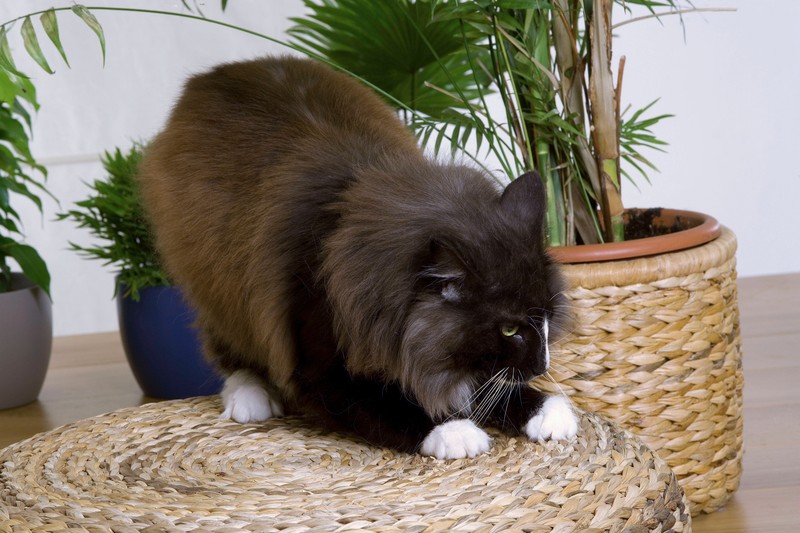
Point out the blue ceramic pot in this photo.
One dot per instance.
(162, 345)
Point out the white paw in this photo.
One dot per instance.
(555, 420)
(456, 439)
(246, 400)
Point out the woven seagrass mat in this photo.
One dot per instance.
(656, 348)
(174, 466)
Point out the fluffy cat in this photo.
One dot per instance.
(339, 273)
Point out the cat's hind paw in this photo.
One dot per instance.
(245, 399)
(455, 440)
(555, 420)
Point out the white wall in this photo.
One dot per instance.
(732, 84)
(733, 88)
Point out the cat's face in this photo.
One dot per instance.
(505, 325)
(487, 304)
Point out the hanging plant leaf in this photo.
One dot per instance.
(91, 21)
(6, 60)
(50, 25)
(31, 43)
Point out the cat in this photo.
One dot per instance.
(339, 273)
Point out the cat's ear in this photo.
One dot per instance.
(525, 199)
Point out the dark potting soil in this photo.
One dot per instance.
(644, 223)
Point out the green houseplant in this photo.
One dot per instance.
(155, 323)
(531, 82)
(642, 336)
(656, 345)
(25, 309)
(113, 213)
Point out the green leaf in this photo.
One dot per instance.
(50, 25)
(91, 21)
(113, 213)
(224, 4)
(11, 130)
(6, 59)
(31, 43)
(10, 225)
(32, 264)
(20, 110)
(8, 89)
(25, 89)
(398, 46)
(4, 199)
(5, 275)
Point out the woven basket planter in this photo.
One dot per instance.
(655, 346)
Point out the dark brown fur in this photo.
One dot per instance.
(306, 227)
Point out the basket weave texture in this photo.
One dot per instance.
(656, 348)
(174, 466)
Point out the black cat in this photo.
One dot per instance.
(337, 272)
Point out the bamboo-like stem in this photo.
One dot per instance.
(570, 67)
(604, 118)
(538, 51)
(619, 229)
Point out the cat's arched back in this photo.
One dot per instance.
(247, 152)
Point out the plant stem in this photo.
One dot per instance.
(604, 117)
(514, 93)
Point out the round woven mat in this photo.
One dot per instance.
(173, 466)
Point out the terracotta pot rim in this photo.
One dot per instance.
(705, 228)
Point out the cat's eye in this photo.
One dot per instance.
(509, 331)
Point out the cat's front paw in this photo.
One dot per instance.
(245, 399)
(455, 440)
(555, 420)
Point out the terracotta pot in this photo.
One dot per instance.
(26, 338)
(654, 345)
(700, 229)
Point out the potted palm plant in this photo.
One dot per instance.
(26, 326)
(532, 85)
(655, 344)
(155, 323)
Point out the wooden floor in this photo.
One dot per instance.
(88, 375)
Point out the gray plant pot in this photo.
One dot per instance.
(26, 338)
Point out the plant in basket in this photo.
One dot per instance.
(535, 85)
(155, 323)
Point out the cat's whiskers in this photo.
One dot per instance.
(557, 294)
(481, 399)
(484, 409)
(485, 391)
(502, 386)
(516, 379)
(467, 409)
(560, 390)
